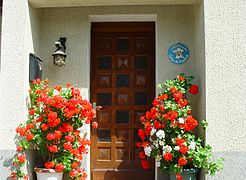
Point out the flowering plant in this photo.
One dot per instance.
(55, 117)
(167, 132)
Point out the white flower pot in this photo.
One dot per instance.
(44, 174)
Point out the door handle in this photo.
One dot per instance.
(95, 108)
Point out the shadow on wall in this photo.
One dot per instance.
(7, 156)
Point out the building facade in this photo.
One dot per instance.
(212, 30)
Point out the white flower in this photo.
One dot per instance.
(192, 145)
(55, 92)
(158, 163)
(158, 157)
(161, 143)
(156, 144)
(181, 120)
(176, 148)
(166, 149)
(147, 150)
(160, 134)
(153, 130)
(41, 107)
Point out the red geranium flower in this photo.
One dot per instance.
(172, 89)
(145, 164)
(52, 115)
(181, 78)
(32, 111)
(158, 125)
(147, 127)
(29, 136)
(53, 148)
(182, 161)
(168, 156)
(180, 142)
(67, 146)
(21, 158)
(29, 126)
(177, 95)
(57, 134)
(67, 127)
(13, 175)
(179, 177)
(142, 155)
(50, 137)
(44, 127)
(49, 165)
(193, 89)
(69, 138)
(19, 148)
(25, 177)
(59, 167)
(73, 173)
(183, 149)
(183, 102)
(21, 131)
(58, 88)
(163, 97)
(54, 122)
(190, 123)
(94, 124)
(75, 165)
(141, 134)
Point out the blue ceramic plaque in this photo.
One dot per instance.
(178, 53)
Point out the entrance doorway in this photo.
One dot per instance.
(123, 83)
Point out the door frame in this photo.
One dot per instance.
(117, 18)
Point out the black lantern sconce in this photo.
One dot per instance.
(59, 55)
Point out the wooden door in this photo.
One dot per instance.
(123, 83)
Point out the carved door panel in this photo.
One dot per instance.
(123, 83)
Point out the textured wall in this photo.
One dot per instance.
(17, 43)
(225, 44)
(174, 23)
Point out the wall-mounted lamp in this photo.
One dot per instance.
(59, 55)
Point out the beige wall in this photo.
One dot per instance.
(16, 44)
(174, 23)
(225, 45)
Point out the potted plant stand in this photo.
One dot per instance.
(48, 174)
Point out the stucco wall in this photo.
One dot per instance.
(225, 44)
(17, 43)
(174, 23)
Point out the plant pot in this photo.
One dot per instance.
(48, 174)
(187, 174)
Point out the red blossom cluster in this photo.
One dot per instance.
(56, 115)
(167, 122)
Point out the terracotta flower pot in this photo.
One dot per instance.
(187, 174)
(48, 174)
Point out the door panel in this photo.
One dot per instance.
(123, 83)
